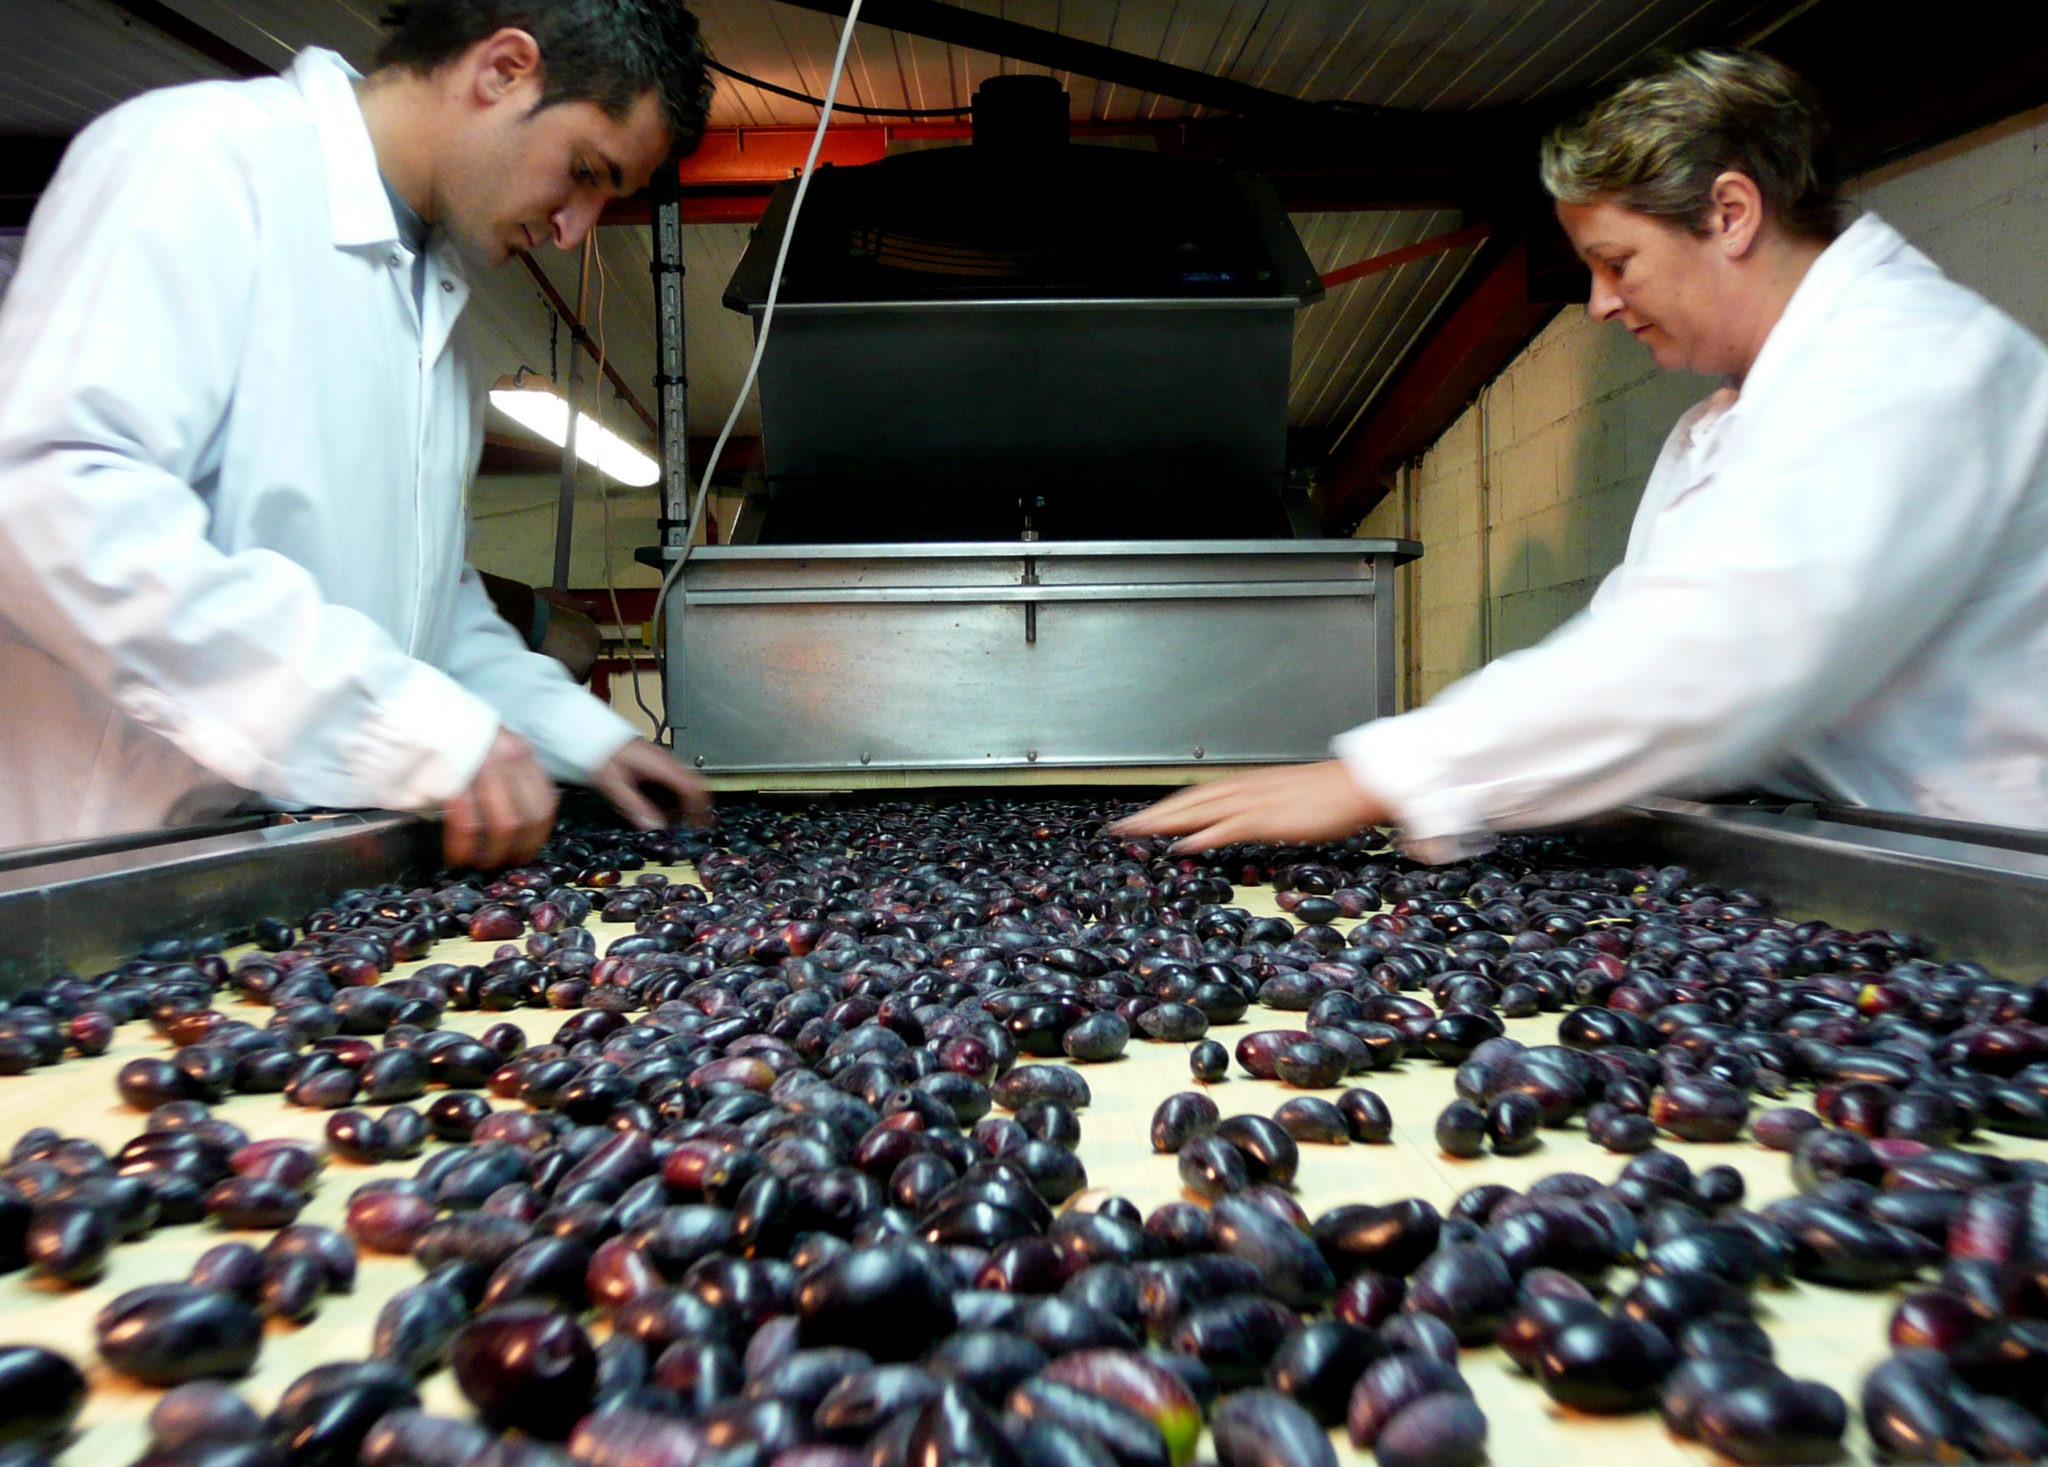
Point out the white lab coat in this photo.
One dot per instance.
(232, 467)
(1837, 584)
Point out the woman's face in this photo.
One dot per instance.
(1669, 287)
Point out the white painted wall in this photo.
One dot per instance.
(1524, 504)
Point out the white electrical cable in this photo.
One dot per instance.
(739, 401)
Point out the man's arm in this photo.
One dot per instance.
(119, 347)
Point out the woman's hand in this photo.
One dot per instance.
(1303, 803)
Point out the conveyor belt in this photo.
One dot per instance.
(1824, 1334)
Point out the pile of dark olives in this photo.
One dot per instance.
(795, 1179)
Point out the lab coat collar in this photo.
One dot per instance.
(359, 212)
(1864, 245)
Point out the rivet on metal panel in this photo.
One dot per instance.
(698, 761)
(1031, 756)
(1199, 751)
(865, 757)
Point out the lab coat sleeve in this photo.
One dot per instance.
(1867, 499)
(118, 354)
(573, 734)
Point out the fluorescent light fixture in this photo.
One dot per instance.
(533, 403)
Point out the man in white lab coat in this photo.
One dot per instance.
(237, 419)
(1837, 581)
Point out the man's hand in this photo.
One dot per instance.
(1304, 803)
(506, 813)
(640, 766)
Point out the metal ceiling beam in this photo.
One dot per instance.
(1482, 328)
(581, 337)
(955, 26)
(1422, 249)
(194, 36)
(728, 178)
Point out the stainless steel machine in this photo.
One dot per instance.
(1023, 499)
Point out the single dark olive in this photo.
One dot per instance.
(417, 1326)
(1369, 1299)
(1313, 1121)
(1368, 1117)
(526, 1366)
(68, 1240)
(1774, 1419)
(885, 1299)
(41, 1394)
(1390, 1386)
(1700, 1110)
(1606, 1366)
(1321, 1362)
(1129, 1436)
(1181, 1117)
(1467, 1286)
(1269, 1152)
(166, 1334)
(1310, 1064)
(202, 1411)
(415, 1439)
(1261, 1428)
(1525, 1333)
(1235, 1337)
(254, 1203)
(1098, 1037)
(1211, 1167)
(323, 1416)
(1208, 1062)
(1461, 1130)
(292, 1287)
(235, 1268)
(1294, 1270)
(1512, 1119)
(1446, 1429)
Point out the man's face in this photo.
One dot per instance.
(517, 178)
(1664, 284)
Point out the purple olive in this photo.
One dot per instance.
(526, 1366)
(1261, 1428)
(1208, 1062)
(1367, 1115)
(1775, 1420)
(166, 1334)
(41, 1394)
(1446, 1429)
(1461, 1130)
(1605, 1366)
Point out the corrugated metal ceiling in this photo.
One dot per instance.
(64, 61)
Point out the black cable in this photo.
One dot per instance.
(767, 86)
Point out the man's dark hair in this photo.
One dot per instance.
(610, 52)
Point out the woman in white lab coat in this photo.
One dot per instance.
(1837, 581)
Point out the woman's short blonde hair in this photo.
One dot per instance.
(1658, 142)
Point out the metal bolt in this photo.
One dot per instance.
(865, 757)
(1031, 756)
(698, 761)
(1198, 751)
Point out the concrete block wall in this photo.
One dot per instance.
(1525, 503)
